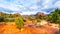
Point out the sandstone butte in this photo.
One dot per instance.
(10, 28)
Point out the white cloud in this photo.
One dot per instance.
(29, 6)
(28, 13)
(57, 4)
(47, 4)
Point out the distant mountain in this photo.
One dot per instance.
(40, 13)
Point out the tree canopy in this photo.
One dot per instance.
(54, 16)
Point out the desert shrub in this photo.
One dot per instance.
(9, 20)
(2, 19)
(19, 22)
(38, 20)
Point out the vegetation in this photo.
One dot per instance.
(8, 17)
(54, 16)
(19, 22)
(2, 19)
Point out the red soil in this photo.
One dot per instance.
(12, 29)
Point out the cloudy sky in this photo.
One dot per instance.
(27, 7)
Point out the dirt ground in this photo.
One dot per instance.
(11, 28)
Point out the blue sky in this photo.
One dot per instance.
(27, 7)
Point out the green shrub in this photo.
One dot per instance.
(19, 22)
(9, 20)
(54, 16)
(2, 19)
